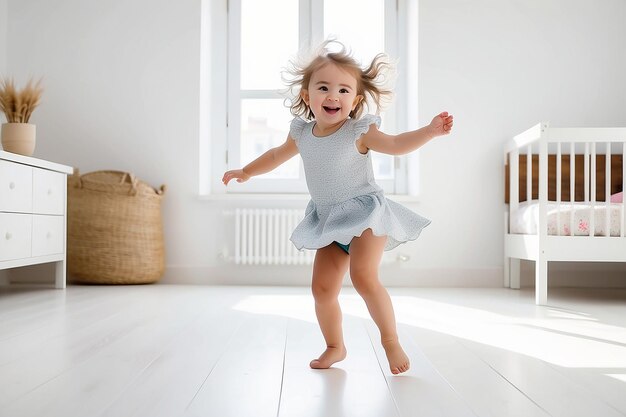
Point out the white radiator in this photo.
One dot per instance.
(262, 237)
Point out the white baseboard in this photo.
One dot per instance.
(301, 276)
(560, 274)
(577, 274)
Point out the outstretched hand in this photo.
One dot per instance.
(237, 174)
(442, 124)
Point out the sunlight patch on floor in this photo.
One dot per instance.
(565, 338)
(619, 377)
(298, 307)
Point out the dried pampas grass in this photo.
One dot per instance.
(18, 105)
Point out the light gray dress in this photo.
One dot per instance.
(345, 199)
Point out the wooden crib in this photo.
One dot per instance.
(559, 187)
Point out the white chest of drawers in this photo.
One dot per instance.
(33, 211)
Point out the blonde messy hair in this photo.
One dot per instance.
(371, 81)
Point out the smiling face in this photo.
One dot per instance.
(331, 95)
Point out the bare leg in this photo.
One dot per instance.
(365, 255)
(329, 268)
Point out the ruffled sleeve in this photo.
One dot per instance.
(296, 128)
(362, 125)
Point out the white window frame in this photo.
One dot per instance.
(215, 122)
(234, 96)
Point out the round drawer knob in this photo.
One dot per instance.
(48, 235)
(8, 236)
(49, 191)
(11, 185)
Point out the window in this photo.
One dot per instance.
(263, 36)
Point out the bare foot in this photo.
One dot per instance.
(331, 355)
(398, 361)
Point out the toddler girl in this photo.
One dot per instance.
(348, 220)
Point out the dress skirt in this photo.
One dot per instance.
(325, 224)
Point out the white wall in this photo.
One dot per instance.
(501, 67)
(3, 58)
(122, 80)
(3, 36)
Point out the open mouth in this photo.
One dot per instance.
(331, 110)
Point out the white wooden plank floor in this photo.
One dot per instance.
(244, 351)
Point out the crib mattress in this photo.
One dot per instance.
(526, 219)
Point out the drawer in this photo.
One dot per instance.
(15, 236)
(48, 235)
(16, 187)
(48, 192)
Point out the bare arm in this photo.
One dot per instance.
(405, 142)
(264, 163)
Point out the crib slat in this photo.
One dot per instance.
(543, 188)
(586, 172)
(592, 208)
(529, 173)
(572, 185)
(607, 190)
(513, 187)
(514, 180)
(623, 225)
(558, 189)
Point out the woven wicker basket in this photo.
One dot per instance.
(114, 229)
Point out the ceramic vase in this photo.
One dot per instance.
(18, 138)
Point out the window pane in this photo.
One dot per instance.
(364, 34)
(264, 125)
(358, 24)
(269, 38)
(383, 166)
